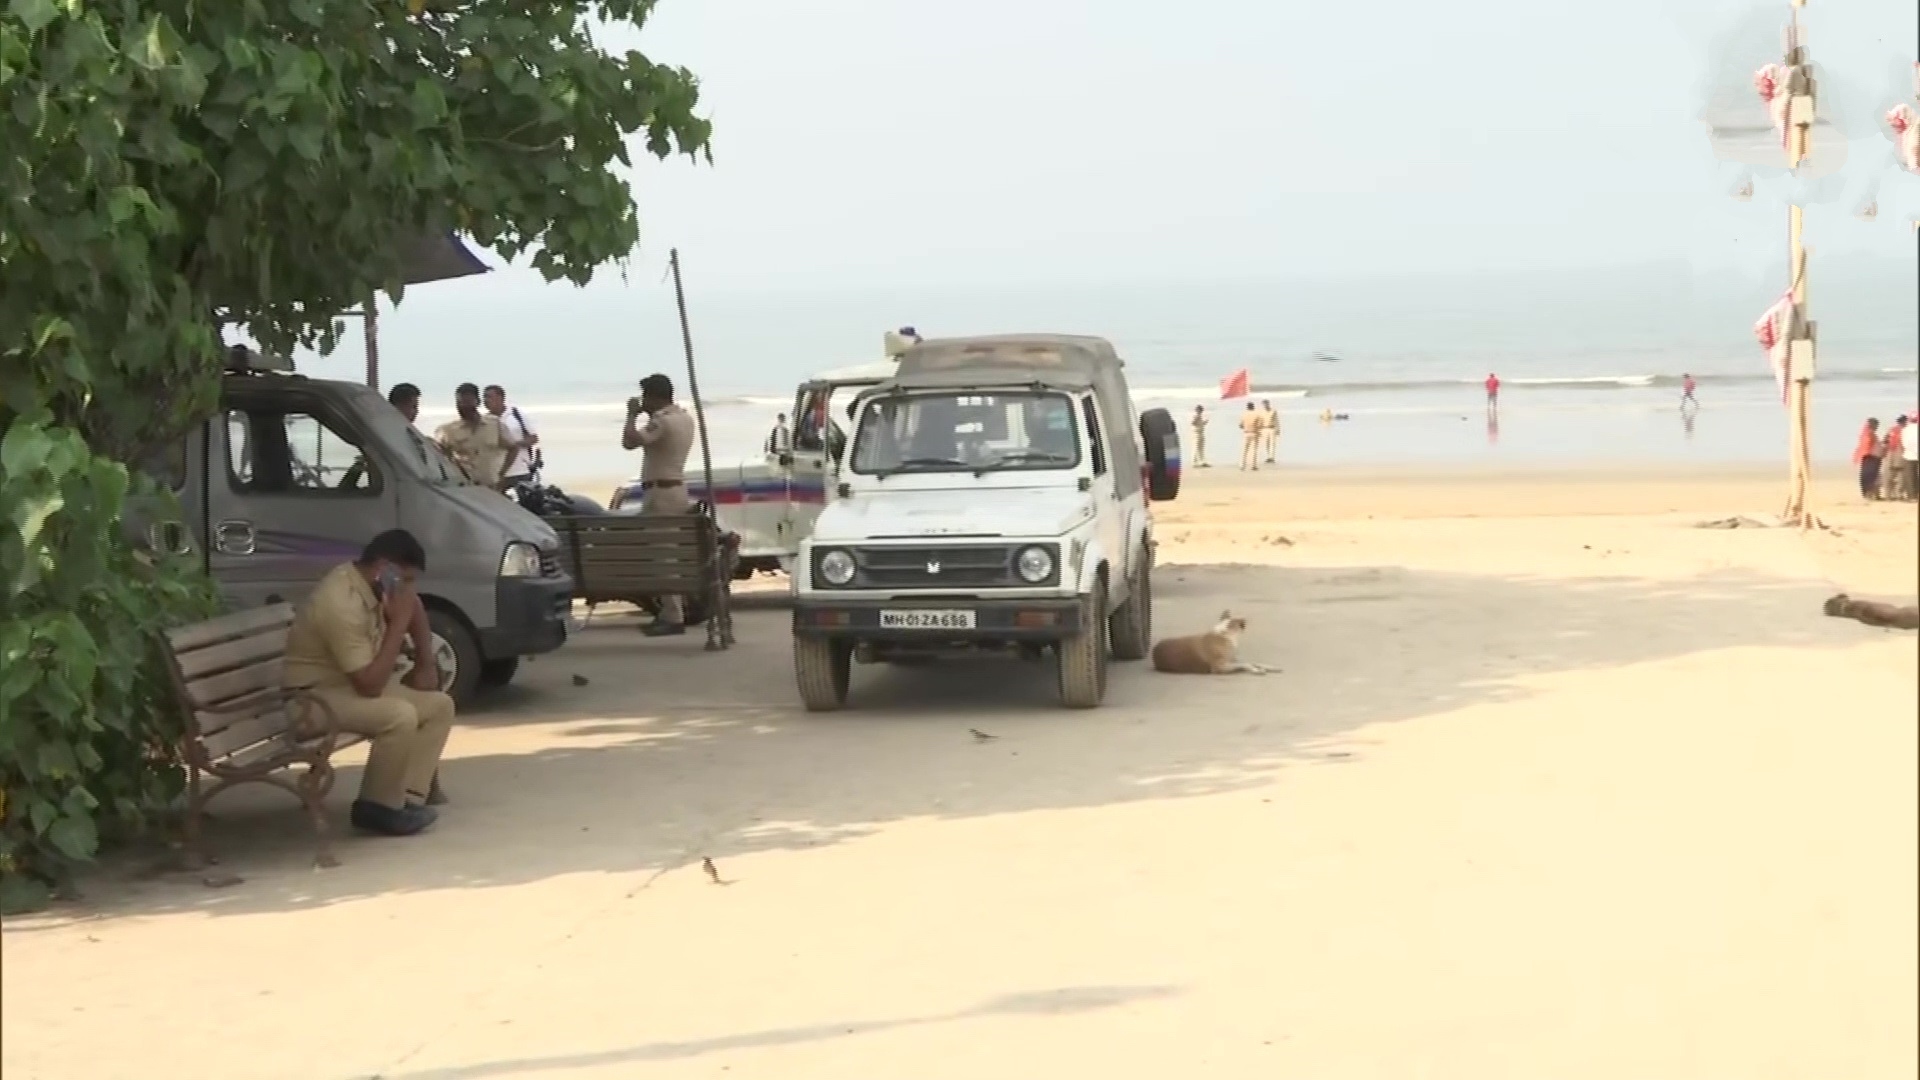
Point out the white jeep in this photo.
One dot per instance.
(993, 498)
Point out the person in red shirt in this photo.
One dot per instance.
(1686, 391)
(1866, 454)
(1493, 390)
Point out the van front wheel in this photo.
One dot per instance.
(457, 654)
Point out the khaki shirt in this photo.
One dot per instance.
(666, 439)
(1250, 422)
(336, 632)
(1269, 420)
(481, 448)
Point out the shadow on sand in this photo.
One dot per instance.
(716, 758)
(1073, 999)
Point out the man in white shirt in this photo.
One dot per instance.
(523, 440)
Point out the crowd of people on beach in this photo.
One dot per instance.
(1886, 459)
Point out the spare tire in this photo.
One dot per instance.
(1160, 437)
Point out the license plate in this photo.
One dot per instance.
(926, 620)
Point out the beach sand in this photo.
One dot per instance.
(1553, 783)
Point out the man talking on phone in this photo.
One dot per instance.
(344, 645)
(665, 441)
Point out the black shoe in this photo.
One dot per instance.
(385, 820)
(663, 629)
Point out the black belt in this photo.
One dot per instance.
(649, 485)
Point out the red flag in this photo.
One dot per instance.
(1235, 385)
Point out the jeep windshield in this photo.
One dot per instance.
(966, 431)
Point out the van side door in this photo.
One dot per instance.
(290, 495)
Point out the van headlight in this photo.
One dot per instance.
(836, 567)
(1034, 564)
(520, 560)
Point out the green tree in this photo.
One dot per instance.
(173, 166)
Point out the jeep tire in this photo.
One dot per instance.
(822, 668)
(1082, 658)
(1132, 628)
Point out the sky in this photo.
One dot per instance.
(859, 142)
(911, 152)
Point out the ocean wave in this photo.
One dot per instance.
(769, 403)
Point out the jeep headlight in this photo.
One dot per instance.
(836, 567)
(520, 560)
(1034, 564)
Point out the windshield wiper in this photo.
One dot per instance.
(1012, 456)
(912, 463)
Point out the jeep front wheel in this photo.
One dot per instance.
(1082, 658)
(822, 668)
(1132, 627)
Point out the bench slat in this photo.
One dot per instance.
(239, 624)
(227, 685)
(237, 737)
(245, 707)
(231, 654)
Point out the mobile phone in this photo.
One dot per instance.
(389, 579)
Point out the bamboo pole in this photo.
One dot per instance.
(720, 616)
(1799, 383)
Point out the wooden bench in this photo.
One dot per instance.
(243, 726)
(637, 558)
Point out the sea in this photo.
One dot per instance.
(1386, 370)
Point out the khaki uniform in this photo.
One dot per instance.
(1250, 429)
(480, 448)
(665, 442)
(1199, 441)
(1269, 433)
(338, 631)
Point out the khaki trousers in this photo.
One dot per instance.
(1199, 447)
(1269, 442)
(1250, 450)
(407, 730)
(668, 500)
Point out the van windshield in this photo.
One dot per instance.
(413, 451)
(966, 431)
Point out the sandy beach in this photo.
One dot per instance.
(1553, 783)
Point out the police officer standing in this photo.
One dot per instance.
(664, 440)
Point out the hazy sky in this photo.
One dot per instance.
(884, 161)
(871, 141)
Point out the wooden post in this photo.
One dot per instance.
(370, 325)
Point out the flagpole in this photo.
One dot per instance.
(1799, 383)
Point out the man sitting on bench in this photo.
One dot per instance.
(344, 644)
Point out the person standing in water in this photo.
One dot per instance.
(1686, 391)
(1199, 423)
(1493, 390)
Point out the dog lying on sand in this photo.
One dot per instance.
(1216, 652)
(1874, 613)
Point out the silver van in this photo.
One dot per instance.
(294, 475)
